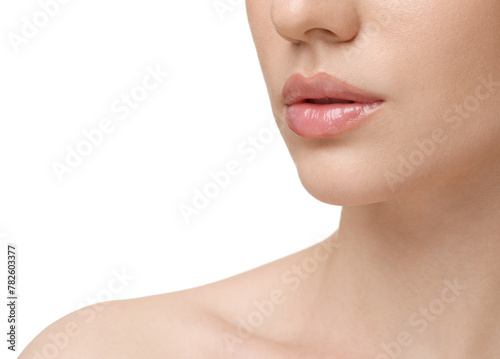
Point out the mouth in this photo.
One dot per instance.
(323, 106)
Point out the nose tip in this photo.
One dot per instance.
(308, 20)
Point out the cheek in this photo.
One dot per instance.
(261, 26)
(437, 51)
(269, 47)
(445, 70)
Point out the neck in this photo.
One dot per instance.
(424, 269)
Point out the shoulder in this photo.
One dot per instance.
(157, 326)
(204, 321)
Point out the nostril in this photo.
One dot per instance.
(323, 34)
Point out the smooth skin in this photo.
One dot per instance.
(413, 270)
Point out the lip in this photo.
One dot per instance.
(312, 120)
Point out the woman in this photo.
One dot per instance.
(390, 109)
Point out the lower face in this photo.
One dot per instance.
(434, 63)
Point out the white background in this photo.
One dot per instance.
(118, 210)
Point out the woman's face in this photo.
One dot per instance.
(434, 63)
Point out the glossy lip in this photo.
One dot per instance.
(312, 120)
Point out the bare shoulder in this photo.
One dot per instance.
(202, 322)
(159, 326)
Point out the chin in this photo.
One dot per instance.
(341, 184)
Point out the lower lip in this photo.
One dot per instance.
(312, 120)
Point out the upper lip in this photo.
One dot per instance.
(298, 89)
